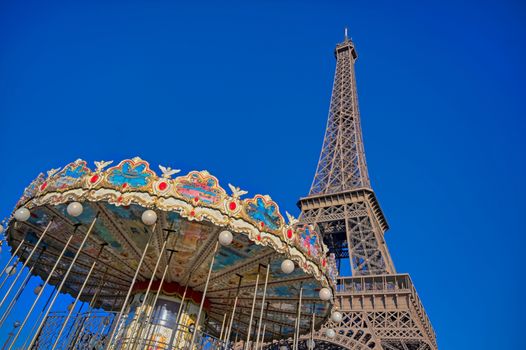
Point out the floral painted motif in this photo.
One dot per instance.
(130, 173)
(70, 174)
(309, 240)
(32, 189)
(264, 211)
(200, 187)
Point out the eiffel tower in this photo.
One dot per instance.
(380, 307)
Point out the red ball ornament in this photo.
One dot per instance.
(94, 179)
(163, 186)
(232, 206)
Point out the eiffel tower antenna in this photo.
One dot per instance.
(345, 208)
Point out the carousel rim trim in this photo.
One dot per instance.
(196, 196)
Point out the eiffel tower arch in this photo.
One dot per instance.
(380, 307)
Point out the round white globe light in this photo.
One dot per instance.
(149, 217)
(37, 289)
(330, 333)
(22, 214)
(10, 270)
(283, 347)
(336, 317)
(310, 344)
(287, 266)
(325, 294)
(225, 238)
(75, 209)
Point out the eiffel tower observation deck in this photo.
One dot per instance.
(380, 307)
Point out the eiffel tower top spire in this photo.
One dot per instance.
(342, 165)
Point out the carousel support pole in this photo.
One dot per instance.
(19, 291)
(222, 336)
(262, 337)
(18, 260)
(262, 304)
(247, 345)
(222, 339)
(90, 309)
(298, 321)
(179, 314)
(101, 333)
(71, 328)
(181, 336)
(222, 329)
(264, 325)
(151, 312)
(78, 296)
(137, 329)
(38, 318)
(312, 328)
(65, 277)
(313, 323)
(11, 258)
(41, 292)
(227, 327)
(26, 262)
(234, 310)
(148, 322)
(124, 304)
(196, 329)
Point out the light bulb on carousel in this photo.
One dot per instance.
(22, 214)
(325, 294)
(10, 270)
(149, 217)
(37, 289)
(336, 317)
(74, 209)
(225, 238)
(287, 266)
(330, 333)
(310, 344)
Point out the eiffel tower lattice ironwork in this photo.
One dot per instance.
(381, 309)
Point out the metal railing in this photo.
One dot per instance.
(90, 331)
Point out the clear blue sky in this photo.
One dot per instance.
(242, 90)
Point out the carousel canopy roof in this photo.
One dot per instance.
(192, 210)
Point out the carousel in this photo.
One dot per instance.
(155, 261)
